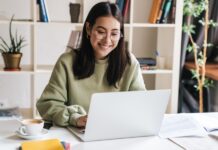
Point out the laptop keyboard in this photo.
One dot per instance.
(78, 130)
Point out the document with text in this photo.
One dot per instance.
(181, 125)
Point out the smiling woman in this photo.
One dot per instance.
(104, 36)
(101, 64)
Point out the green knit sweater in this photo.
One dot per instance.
(66, 98)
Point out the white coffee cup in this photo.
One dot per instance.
(31, 127)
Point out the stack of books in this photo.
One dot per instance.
(162, 11)
(147, 63)
(10, 112)
(74, 41)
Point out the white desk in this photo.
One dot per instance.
(9, 141)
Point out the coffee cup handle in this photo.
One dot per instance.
(22, 130)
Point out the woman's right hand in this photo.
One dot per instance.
(81, 121)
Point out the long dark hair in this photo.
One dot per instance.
(118, 59)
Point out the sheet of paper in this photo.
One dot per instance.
(208, 122)
(180, 125)
(196, 143)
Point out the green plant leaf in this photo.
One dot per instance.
(208, 82)
(4, 48)
(189, 29)
(189, 48)
(202, 21)
(4, 42)
(195, 74)
(16, 42)
(208, 45)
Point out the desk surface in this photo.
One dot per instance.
(211, 69)
(9, 140)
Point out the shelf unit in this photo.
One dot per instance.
(47, 41)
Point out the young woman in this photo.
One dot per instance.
(102, 64)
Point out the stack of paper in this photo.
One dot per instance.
(209, 123)
(190, 131)
(180, 125)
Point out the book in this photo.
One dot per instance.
(166, 11)
(146, 61)
(65, 145)
(120, 4)
(46, 9)
(78, 44)
(146, 67)
(156, 5)
(50, 144)
(160, 11)
(10, 112)
(125, 11)
(74, 12)
(43, 11)
(172, 14)
(74, 39)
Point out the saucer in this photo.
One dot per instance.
(32, 137)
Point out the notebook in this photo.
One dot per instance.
(129, 114)
(50, 144)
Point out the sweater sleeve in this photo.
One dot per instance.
(137, 83)
(52, 103)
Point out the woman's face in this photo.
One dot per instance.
(104, 35)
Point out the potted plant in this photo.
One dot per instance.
(11, 50)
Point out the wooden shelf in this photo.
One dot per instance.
(153, 25)
(211, 69)
(157, 71)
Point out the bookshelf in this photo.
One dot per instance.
(48, 40)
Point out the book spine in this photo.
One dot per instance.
(126, 10)
(172, 15)
(160, 11)
(74, 37)
(79, 40)
(166, 11)
(120, 4)
(46, 10)
(154, 11)
(43, 13)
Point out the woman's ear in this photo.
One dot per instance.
(88, 29)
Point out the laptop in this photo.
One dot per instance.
(115, 115)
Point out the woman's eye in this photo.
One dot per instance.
(114, 34)
(101, 32)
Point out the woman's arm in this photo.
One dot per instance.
(52, 104)
(137, 82)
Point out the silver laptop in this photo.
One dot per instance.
(130, 114)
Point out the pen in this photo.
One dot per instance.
(213, 136)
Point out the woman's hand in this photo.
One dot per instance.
(81, 121)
